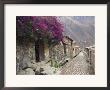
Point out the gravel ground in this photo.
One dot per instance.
(77, 66)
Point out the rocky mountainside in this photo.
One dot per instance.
(79, 28)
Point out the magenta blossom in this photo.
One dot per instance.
(45, 25)
(42, 26)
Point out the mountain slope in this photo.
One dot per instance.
(79, 29)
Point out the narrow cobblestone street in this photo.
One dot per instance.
(77, 66)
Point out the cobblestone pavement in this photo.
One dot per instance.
(77, 66)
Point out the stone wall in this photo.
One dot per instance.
(25, 53)
(57, 52)
(64, 50)
(91, 58)
(76, 50)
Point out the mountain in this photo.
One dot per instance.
(79, 28)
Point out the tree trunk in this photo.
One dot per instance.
(39, 50)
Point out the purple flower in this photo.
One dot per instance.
(49, 25)
(42, 26)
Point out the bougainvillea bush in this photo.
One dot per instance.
(48, 28)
